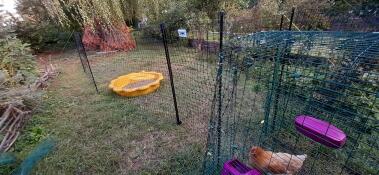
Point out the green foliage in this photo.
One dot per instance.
(210, 7)
(37, 29)
(130, 11)
(33, 134)
(152, 31)
(16, 60)
(84, 13)
(359, 7)
(194, 15)
(32, 10)
(174, 17)
(43, 36)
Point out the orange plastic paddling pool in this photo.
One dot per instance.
(136, 84)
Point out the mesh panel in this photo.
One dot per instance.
(193, 63)
(269, 78)
(249, 94)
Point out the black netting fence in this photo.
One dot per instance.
(268, 79)
(250, 93)
(84, 59)
(191, 55)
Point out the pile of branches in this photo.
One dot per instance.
(48, 72)
(16, 105)
(11, 122)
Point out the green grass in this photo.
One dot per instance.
(107, 134)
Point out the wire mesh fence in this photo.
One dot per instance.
(84, 59)
(249, 93)
(304, 18)
(269, 78)
(327, 19)
(192, 59)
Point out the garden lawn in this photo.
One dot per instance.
(103, 133)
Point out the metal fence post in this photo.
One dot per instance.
(77, 40)
(281, 23)
(282, 64)
(291, 19)
(82, 50)
(164, 36)
(219, 81)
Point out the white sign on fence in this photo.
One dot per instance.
(182, 33)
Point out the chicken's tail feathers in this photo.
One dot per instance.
(302, 157)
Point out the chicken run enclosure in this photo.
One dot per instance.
(228, 92)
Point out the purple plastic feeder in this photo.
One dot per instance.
(235, 167)
(320, 131)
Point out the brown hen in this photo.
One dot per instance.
(277, 163)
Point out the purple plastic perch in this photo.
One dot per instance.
(320, 131)
(235, 167)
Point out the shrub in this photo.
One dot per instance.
(174, 19)
(17, 64)
(42, 36)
